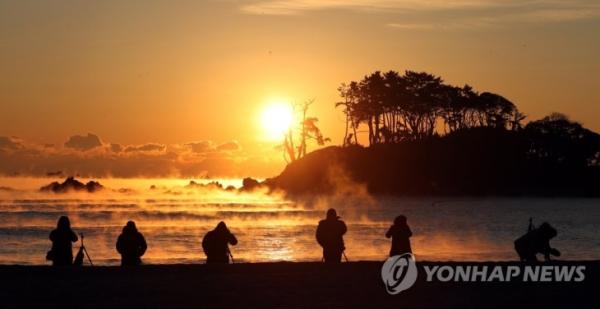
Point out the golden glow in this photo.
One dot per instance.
(193, 74)
(276, 119)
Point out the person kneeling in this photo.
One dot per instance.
(537, 240)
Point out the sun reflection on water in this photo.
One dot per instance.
(270, 228)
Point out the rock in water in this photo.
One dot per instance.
(249, 184)
(72, 184)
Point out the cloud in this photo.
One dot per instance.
(294, 7)
(205, 147)
(194, 159)
(116, 148)
(413, 26)
(557, 14)
(449, 24)
(200, 147)
(229, 146)
(9, 143)
(442, 14)
(150, 147)
(83, 143)
(523, 17)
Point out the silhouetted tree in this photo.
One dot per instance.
(425, 93)
(350, 95)
(555, 140)
(308, 130)
(419, 105)
(496, 111)
(457, 108)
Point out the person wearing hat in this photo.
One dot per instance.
(330, 235)
(131, 245)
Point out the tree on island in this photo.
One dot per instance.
(308, 131)
(419, 105)
(556, 140)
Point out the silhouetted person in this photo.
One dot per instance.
(62, 243)
(131, 245)
(536, 241)
(400, 234)
(330, 235)
(215, 244)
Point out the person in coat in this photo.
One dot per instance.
(216, 244)
(400, 234)
(62, 239)
(131, 244)
(330, 235)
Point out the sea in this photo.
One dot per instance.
(271, 228)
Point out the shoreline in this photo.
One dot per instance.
(279, 284)
(309, 262)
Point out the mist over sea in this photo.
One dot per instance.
(270, 228)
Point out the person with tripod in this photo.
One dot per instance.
(62, 239)
(131, 244)
(330, 235)
(216, 244)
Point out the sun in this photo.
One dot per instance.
(277, 118)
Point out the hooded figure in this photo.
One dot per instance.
(400, 234)
(330, 234)
(131, 245)
(62, 243)
(536, 241)
(215, 244)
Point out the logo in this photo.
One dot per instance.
(399, 273)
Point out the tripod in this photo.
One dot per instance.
(80, 255)
(230, 255)
(343, 254)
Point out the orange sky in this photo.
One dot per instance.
(171, 73)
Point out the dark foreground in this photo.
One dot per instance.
(275, 285)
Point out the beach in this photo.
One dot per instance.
(278, 285)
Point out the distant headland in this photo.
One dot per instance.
(426, 137)
(482, 161)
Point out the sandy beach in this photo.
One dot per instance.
(276, 285)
